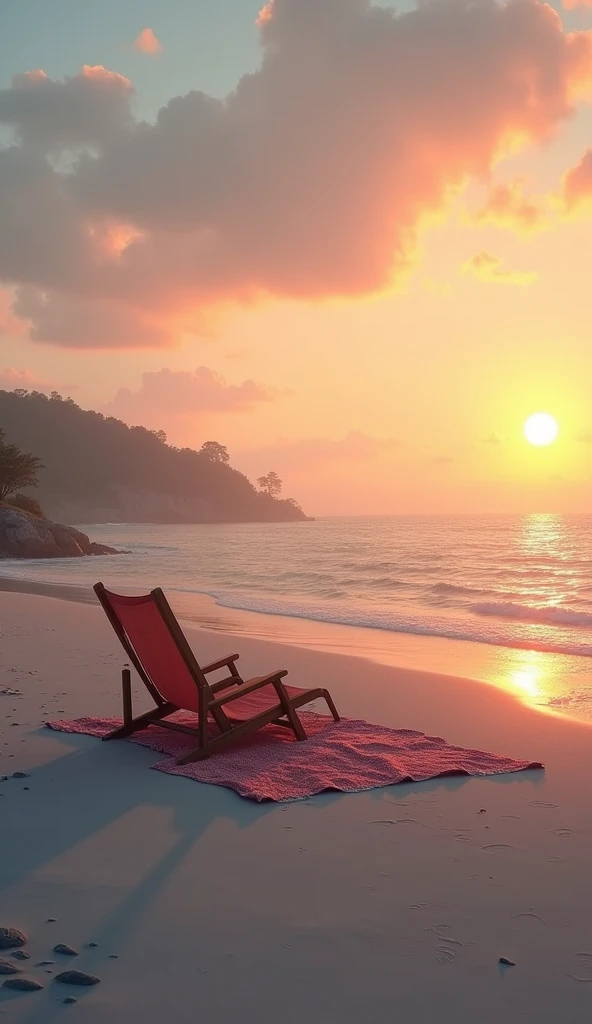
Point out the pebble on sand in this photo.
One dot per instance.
(64, 949)
(20, 954)
(7, 968)
(77, 978)
(508, 963)
(22, 984)
(11, 938)
(70, 999)
(21, 775)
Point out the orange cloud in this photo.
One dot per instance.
(488, 268)
(570, 5)
(12, 378)
(265, 14)
(576, 190)
(147, 42)
(507, 206)
(310, 180)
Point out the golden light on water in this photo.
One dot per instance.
(541, 429)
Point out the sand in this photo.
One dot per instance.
(394, 905)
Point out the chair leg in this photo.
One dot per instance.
(142, 722)
(331, 705)
(297, 726)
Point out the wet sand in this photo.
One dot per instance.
(395, 904)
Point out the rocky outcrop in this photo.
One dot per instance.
(23, 535)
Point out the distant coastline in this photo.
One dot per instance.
(97, 469)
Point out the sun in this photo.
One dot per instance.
(541, 429)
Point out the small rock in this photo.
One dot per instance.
(7, 968)
(45, 963)
(21, 775)
(114, 956)
(22, 984)
(64, 949)
(482, 811)
(4, 778)
(92, 945)
(70, 999)
(77, 978)
(508, 963)
(20, 954)
(10, 938)
(51, 920)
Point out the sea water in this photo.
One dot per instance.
(516, 583)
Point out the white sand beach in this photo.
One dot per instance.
(393, 905)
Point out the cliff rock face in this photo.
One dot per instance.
(122, 504)
(23, 535)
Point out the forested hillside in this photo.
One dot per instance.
(98, 469)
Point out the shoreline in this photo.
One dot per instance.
(409, 893)
(546, 681)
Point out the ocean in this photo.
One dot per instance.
(513, 583)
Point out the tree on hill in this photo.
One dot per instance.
(17, 469)
(214, 452)
(98, 466)
(270, 484)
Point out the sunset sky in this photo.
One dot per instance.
(352, 243)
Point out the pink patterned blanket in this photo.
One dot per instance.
(348, 756)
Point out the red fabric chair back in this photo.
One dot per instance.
(141, 621)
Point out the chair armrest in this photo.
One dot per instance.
(221, 663)
(249, 687)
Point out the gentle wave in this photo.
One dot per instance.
(547, 615)
(447, 628)
(454, 588)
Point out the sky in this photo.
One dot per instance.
(349, 242)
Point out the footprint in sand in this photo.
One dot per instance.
(463, 835)
(584, 968)
(496, 847)
(541, 803)
(529, 913)
(562, 833)
(448, 947)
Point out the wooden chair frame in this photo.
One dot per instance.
(213, 698)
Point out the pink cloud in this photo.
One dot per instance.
(309, 180)
(303, 453)
(147, 42)
(175, 393)
(12, 378)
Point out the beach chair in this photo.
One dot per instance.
(157, 648)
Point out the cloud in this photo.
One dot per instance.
(492, 439)
(176, 393)
(306, 452)
(571, 4)
(12, 378)
(147, 42)
(309, 180)
(86, 109)
(488, 268)
(507, 206)
(576, 190)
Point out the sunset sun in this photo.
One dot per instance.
(541, 429)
